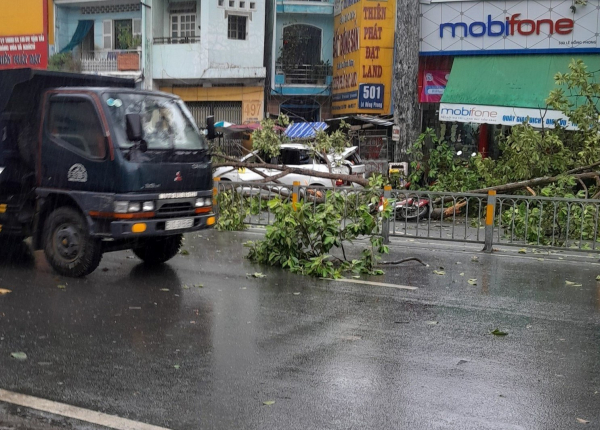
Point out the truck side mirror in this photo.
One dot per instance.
(210, 127)
(134, 127)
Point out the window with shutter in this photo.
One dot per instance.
(137, 27)
(107, 34)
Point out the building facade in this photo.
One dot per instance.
(25, 33)
(211, 54)
(488, 65)
(299, 58)
(104, 37)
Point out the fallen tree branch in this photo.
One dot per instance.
(584, 187)
(404, 260)
(314, 173)
(274, 177)
(532, 183)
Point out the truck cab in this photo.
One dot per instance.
(92, 165)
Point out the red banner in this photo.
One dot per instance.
(17, 52)
(434, 84)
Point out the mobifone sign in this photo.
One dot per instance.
(504, 27)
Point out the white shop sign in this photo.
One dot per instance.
(538, 118)
(509, 27)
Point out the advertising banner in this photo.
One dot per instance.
(509, 27)
(23, 51)
(434, 84)
(537, 118)
(363, 51)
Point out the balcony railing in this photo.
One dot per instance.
(305, 74)
(110, 61)
(173, 40)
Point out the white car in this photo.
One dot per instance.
(297, 155)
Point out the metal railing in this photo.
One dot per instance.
(176, 40)
(105, 61)
(486, 219)
(305, 74)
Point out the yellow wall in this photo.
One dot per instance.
(21, 17)
(50, 22)
(252, 98)
(363, 54)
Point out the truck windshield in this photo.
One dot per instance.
(166, 122)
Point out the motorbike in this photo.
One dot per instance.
(412, 207)
(409, 207)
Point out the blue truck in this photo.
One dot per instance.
(90, 164)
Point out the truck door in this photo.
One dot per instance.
(75, 151)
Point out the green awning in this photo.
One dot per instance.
(520, 81)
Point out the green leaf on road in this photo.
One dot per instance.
(18, 356)
(186, 287)
(522, 251)
(598, 278)
(472, 281)
(572, 284)
(499, 333)
(475, 259)
(199, 286)
(61, 287)
(296, 294)
(269, 402)
(439, 272)
(184, 252)
(462, 274)
(431, 322)
(164, 289)
(177, 366)
(257, 275)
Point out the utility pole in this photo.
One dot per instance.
(406, 69)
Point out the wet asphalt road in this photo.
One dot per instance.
(334, 356)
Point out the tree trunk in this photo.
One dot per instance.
(406, 68)
(283, 168)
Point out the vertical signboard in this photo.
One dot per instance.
(23, 34)
(434, 84)
(363, 52)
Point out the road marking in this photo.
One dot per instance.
(377, 284)
(69, 411)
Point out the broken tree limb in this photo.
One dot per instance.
(533, 183)
(314, 173)
(404, 260)
(531, 191)
(275, 177)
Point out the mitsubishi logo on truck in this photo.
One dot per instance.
(178, 177)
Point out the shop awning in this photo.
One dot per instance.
(83, 27)
(304, 130)
(505, 89)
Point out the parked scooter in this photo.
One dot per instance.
(408, 207)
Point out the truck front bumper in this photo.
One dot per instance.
(157, 227)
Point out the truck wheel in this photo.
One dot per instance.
(69, 248)
(157, 250)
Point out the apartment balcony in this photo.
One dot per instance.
(321, 7)
(111, 61)
(303, 79)
(178, 58)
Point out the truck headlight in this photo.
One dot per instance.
(203, 201)
(148, 206)
(121, 207)
(134, 207)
